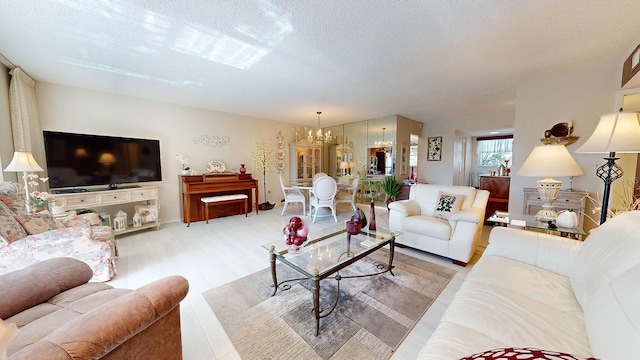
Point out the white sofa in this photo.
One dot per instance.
(537, 290)
(457, 237)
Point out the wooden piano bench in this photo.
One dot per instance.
(222, 200)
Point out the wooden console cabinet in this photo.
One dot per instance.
(498, 187)
(95, 199)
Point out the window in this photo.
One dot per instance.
(492, 151)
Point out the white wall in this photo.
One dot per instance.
(69, 109)
(581, 97)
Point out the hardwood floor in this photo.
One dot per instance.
(229, 248)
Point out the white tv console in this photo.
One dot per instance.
(92, 199)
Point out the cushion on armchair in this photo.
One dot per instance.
(35, 284)
(447, 205)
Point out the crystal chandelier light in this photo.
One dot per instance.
(386, 145)
(319, 137)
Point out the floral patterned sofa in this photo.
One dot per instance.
(29, 238)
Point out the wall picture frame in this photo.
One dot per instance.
(434, 148)
(404, 158)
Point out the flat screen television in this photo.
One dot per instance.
(75, 160)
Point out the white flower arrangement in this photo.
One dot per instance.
(38, 198)
(184, 161)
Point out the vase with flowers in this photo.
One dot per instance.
(185, 164)
(40, 200)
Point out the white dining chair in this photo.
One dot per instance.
(317, 176)
(348, 195)
(323, 195)
(292, 195)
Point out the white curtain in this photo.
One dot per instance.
(25, 122)
(494, 146)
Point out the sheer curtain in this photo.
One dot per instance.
(25, 122)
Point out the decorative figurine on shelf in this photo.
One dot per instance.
(137, 220)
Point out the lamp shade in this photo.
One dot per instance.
(23, 161)
(550, 160)
(619, 132)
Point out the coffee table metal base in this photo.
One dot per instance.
(316, 278)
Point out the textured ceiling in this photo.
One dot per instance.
(284, 60)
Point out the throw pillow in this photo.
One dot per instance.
(148, 213)
(10, 228)
(39, 223)
(515, 353)
(447, 205)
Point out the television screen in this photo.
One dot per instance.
(85, 160)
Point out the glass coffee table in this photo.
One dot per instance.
(323, 257)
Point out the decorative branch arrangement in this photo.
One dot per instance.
(629, 201)
(211, 140)
(263, 160)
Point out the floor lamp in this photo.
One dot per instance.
(615, 133)
(549, 161)
(24, 161)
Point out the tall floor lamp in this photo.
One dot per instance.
(615, 133)
(24, 161)
(549, 161)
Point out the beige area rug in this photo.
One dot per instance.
(373, 316)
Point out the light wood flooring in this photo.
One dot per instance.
(229, 248)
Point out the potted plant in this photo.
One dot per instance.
(390, 187)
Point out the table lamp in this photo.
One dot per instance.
(549, 161)
(24, 161)
(344, 166)
(619, 132)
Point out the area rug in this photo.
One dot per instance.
(374, 314)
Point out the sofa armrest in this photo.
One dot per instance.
(473, 215)
(550, 252)
(405, 207)
(101, 330)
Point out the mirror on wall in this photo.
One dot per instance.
(381, 144)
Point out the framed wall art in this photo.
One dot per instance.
(404, 158)
(434, 148)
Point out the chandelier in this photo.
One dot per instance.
(319, 137)
(386, 145)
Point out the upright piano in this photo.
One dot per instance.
(195, 187)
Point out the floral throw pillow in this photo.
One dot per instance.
(10, 228)
(523, 354)
(39, 223)
(447, 205)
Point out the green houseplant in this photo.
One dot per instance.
(390, 187)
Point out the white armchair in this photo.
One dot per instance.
(449, 225)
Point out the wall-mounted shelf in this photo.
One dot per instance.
(565, 140)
